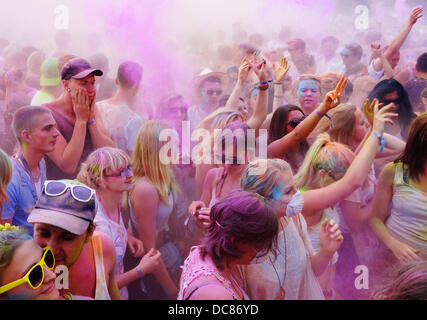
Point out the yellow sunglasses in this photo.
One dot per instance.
(35, 276)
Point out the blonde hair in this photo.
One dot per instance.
(343, 118)
(146, 160)
(263, 184)
(333, 157)
(98, 161)
(219, 119)
(6, 176)
(333, 76)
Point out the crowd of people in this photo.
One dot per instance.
(336, 177)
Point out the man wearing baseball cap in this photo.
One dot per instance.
(63, 219)
(351, 56)
(50, 83)
(77, 119)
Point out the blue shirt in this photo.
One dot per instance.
(22, 195)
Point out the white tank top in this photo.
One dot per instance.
(408, 217)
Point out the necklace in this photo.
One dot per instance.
(231, 284)
(282, 283)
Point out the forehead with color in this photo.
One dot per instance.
(308, 84)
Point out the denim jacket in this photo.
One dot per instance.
(22, 195)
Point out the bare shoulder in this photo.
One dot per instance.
(387, 173)
(212, 173)
(144, 188)
(212, 292)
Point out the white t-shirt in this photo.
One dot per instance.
(376, 75)
(121, 123)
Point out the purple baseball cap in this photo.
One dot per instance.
(64, 211)
(78, 68)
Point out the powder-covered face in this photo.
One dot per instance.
(282, 193)
(308, 95)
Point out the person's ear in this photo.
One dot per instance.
(100, 182)
(66, 85)
(25, 136)
(321, 176)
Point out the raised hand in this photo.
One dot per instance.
(81, 107)
(281, 71)
(368, 109)
(415, 15)
(330, 237)
(332, 99)
(244, 70)
(260, 68)
(376, 48)
(382, 116)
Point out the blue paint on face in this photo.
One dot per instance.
(307, 86)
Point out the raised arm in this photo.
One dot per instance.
(322, 198)
(397, 43)
(244, 70)
(261, 105)
(278, 75)
(381, 61)
(278, 148)
(393, 145)
(67, 155)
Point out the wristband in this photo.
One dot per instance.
(91, 122)
(263, 83)
(319, 114)
(263, 87)
(140, 274)
(331, 123)
(382, 141)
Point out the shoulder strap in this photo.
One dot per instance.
(124, 209)
(101, 290)
(398, 173)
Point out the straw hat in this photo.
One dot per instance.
(206, 73)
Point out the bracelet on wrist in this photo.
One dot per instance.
(382, 141)
(91, 122)
(331, 123)
(263, 87)
(138, 269)
(319, 114)
(261, 83)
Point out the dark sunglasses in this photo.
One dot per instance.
(388, 101)
(212, 92)
(124, 173)
(294, 122)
